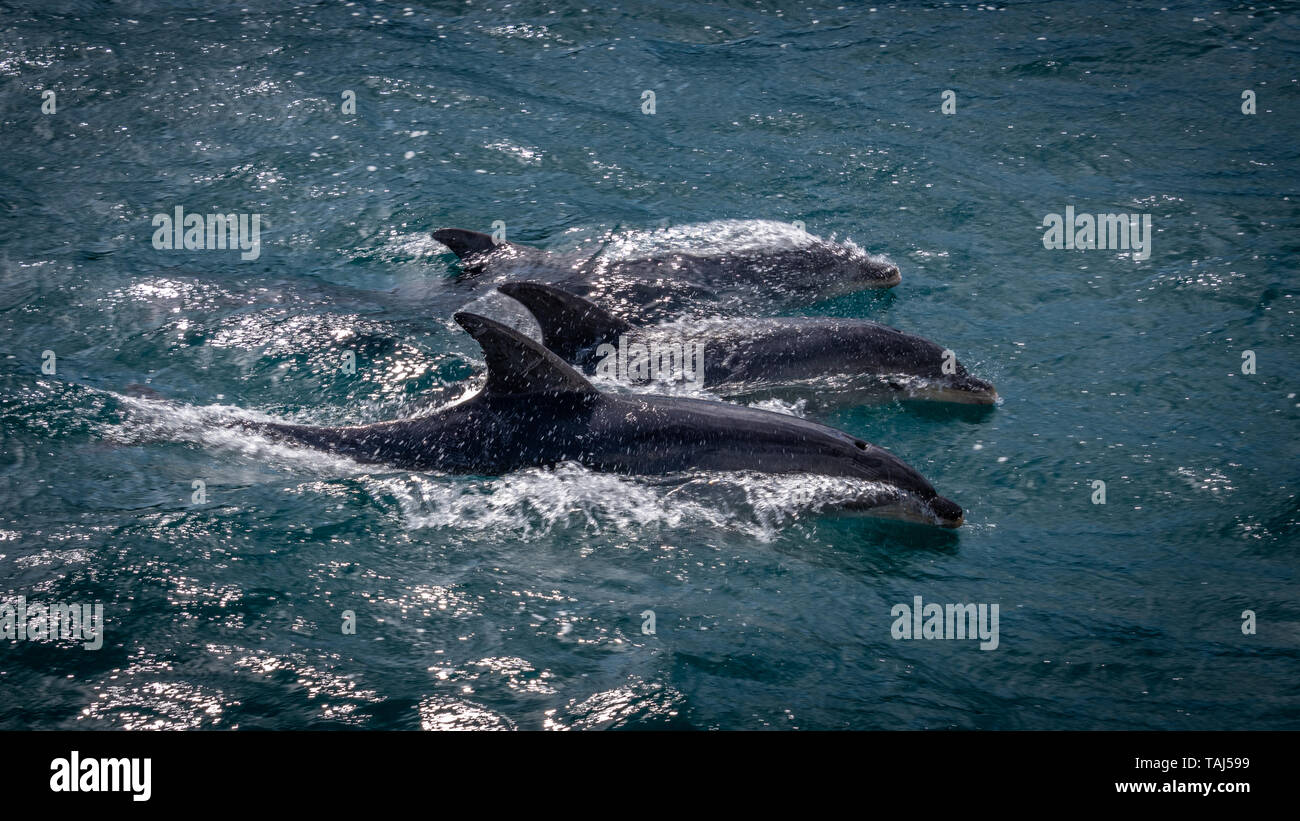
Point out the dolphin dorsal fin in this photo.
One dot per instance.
(464, 243)
(517, 365)
(569, 323)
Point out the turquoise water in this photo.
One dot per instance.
(516, 601)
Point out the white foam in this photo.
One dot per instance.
(218, 427)
(537, 501)
(717, 237)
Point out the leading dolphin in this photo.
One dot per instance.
(743, 356)
(536, 410)
(751, 262)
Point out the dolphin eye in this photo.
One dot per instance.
(861, 444)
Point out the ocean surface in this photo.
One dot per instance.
(517, 601)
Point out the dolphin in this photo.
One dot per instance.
(536, 410)
(741, 357)
(792, 267)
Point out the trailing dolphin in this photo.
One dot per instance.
(536, 410)
(741, 262)
(744, 356)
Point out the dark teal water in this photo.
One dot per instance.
(516, 600)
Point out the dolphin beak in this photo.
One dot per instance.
(938, 511)
(948, 512)
(886, 276)
(979, 392)
(977, 396)
(970, 391)
(877, 272)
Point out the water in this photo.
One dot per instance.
(516, 601)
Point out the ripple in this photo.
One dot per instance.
(441, 713)
(637, 704)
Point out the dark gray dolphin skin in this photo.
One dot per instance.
(743, 356)
(655, 286)
(535, 410)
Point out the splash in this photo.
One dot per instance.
(539, 501)
(219, 427)
(719, 237)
